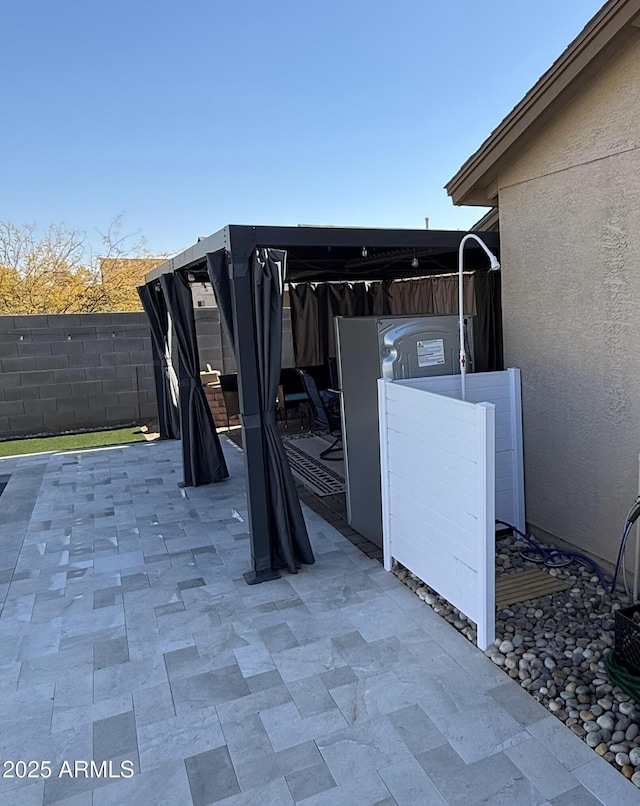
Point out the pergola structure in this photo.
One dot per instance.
(248, 266)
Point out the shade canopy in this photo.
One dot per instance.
(246, 264)
(316, 254)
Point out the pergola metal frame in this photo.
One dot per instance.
(437, 251)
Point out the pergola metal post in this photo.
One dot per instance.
(256, 470)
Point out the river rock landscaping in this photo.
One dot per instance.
(554, 647)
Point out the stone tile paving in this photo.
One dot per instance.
(129, 639)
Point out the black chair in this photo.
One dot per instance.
(291, 394)
(229, 387)
(326, 417)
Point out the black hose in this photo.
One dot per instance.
(623, 543)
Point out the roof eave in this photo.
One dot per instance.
(474, 183)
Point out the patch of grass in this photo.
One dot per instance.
(72, 442)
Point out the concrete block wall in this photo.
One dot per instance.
(74, 371)
(215, 349)
(213, 345)
(68, 372)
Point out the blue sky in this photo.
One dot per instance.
(189, 116)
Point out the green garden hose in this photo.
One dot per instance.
(620, 676)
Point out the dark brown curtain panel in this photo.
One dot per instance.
(487, 324)
(315, 305)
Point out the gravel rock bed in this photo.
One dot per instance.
(554, 646)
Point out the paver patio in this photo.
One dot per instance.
(128, 634)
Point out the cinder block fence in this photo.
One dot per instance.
(68, 372)
(74, 371)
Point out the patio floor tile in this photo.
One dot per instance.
(127, 633)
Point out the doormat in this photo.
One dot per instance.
(525, 585)
(307, 468)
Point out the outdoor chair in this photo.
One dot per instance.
(229, 387)
(291, 394)
(325, 416)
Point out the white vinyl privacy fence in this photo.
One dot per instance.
(449, 468)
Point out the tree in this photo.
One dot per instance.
(54, 270)
(122, 267)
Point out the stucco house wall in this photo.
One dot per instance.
(570, 246)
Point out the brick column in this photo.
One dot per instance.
(215, 400)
